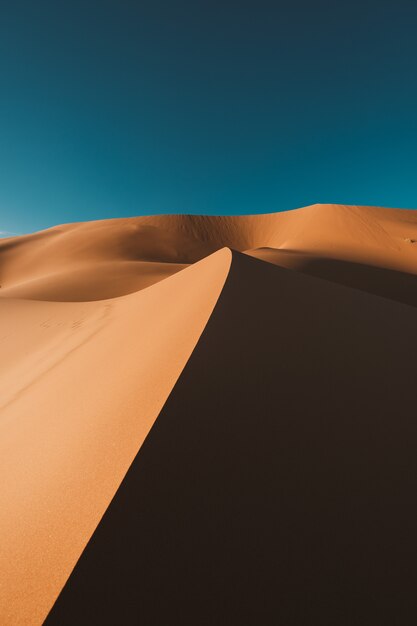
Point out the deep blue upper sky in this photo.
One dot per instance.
(113, 107)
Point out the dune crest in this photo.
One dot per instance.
(109, 258)
(244, 346)
(81, 384)
(276, 486)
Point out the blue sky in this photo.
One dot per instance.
(114, 108)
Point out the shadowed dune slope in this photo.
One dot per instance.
(388, 283)
(80, 386)
(109, 258)
(277, 485)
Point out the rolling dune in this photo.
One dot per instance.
(81, 384)
(276, 482)
(276, 485)
(105, 259)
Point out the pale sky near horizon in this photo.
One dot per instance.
(118, 108)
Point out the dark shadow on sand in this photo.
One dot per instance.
(277, 486)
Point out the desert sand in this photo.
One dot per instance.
(210, 420)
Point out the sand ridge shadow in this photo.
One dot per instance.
(380, 281)
(277, 484)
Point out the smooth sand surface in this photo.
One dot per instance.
(276, 485)
(81, 384)
(393, 284)
(103, 259)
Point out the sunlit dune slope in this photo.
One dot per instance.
(80, 386)
(93, 260)
(277, 485)
(104, 259)
(366, 248)
(372, 235)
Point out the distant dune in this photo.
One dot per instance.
(210, 420)
(105, 259)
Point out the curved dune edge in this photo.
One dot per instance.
(276, 486)
(372, 278)
(109, 258)
(92, 281)
(82, 384)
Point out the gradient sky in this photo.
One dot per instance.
(113, 108)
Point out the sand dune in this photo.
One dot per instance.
(104, 259)
(382, 281)
(276, 484)
(92, 281)
(93, 260)
(81, 384)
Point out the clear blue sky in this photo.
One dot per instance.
(113, 108)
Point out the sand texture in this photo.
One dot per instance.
(210, 420)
